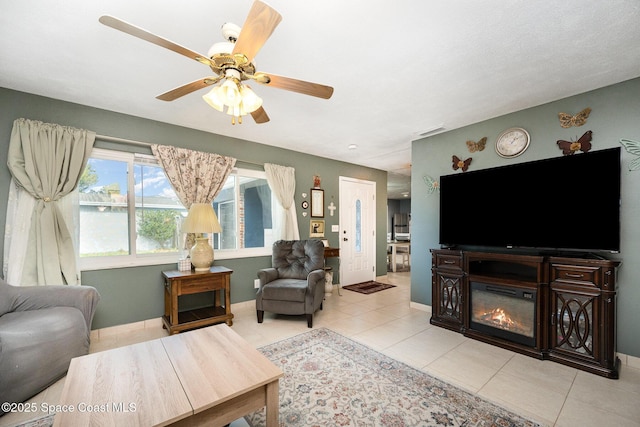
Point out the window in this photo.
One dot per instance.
(130, 214)
(128, 211)
(246, 210)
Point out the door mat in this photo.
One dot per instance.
(368, 287)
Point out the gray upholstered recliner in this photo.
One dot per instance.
(41, 329)
(295, 283)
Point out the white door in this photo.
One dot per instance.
(357, 230)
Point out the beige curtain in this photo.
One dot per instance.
(282, 182)
(46, 161)
(196, 177)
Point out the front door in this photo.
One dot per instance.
(357, 230)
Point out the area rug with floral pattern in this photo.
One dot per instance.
(331, 380)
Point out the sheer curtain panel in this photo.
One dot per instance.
(282, 181)
(46, 162)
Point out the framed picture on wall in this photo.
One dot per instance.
(317, 203)
(316, 228)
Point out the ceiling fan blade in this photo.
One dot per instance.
(131, 29)
(294, 85)
(260, 116)
(183, 90)
(257, 28)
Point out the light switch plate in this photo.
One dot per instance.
(335, 228)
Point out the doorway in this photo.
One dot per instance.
(357, 230)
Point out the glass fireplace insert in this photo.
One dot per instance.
(504, 311)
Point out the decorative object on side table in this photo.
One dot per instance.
(201, 219)
(582, 144)
(184, 264)
(512, 142)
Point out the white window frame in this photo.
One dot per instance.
(275, 205)
(134, 259)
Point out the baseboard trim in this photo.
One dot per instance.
(422, 307)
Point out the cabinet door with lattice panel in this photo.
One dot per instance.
(447, 289)
(574, 322)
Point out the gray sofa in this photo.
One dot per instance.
(41, 329)
(295, 283)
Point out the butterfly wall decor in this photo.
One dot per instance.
(460, 164)
(582, 144)
(477, 146)
(567, 120)
(632, 147)
(432, 184)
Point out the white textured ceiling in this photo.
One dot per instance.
(398, 67)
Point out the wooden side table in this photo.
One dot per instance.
(176, 283)
(330, 252)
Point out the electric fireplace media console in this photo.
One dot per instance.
(560, 308)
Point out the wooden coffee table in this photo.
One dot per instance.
(208, 376)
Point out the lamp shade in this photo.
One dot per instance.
(230, 93)
(238, 98)
(250, 101)
(201, 219)
(213, 99)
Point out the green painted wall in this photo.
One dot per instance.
(615, 115)
(135, 293)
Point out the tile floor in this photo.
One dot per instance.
(553, 394)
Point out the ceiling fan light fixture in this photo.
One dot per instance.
(239, 99)
(213, 99)
(236, 113)
(231, 60)
(230, 31)
(250, 101)
(230, 93)
(220, 48)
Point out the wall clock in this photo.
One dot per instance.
(512, 142)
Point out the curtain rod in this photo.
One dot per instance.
(122, 140)
(148, 144)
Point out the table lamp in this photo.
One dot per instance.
(201, 219)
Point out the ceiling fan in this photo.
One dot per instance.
(232, 62)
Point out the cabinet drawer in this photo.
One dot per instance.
(193, 286)
(573, 273)
(448, 261)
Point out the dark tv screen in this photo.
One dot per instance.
(569, 203)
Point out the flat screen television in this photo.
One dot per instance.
(563, 203)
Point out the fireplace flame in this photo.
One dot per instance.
(499, 318)
(504, 313)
